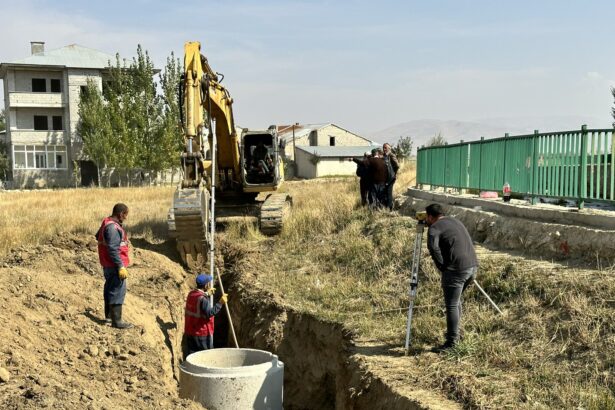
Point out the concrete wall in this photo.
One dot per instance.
(23, 79)
(321, 136)
(342, 137)
(38, 137)
(335, 166)
(305, 168)
(24, 117)
(40, 178)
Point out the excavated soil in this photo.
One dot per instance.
(59, 353)
(55, 346)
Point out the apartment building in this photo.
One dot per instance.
(41, 97)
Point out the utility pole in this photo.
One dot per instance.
(294, 158)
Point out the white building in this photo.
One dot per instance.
(322, 149)
(41, 97)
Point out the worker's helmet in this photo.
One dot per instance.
(203, 279)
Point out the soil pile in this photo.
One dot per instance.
(57, 352)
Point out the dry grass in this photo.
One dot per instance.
(553, 349)
(32, 217)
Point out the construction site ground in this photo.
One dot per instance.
(327, 296)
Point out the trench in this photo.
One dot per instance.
(322, 367)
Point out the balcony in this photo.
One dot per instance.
(34, 137)
(42, 100)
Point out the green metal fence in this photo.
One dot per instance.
(564, 164)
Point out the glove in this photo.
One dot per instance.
(123, 273)
(211, 291)
(223, 299)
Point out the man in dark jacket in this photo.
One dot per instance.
(452, 250)
(114, 258)
(392, 164)
(378, 175)
(364, 181)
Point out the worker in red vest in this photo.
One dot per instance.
(113, 256)
(199, 319)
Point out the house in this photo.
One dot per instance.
(328, 145)
(41, 97)
(314, 162)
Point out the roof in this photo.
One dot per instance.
(338, 151)
(302, 130)
(73, 56)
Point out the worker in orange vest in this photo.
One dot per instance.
(113, 256)
(199, 316)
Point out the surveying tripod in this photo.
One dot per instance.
(416, 261)
(421, 218)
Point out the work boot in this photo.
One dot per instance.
(107, 314)
(116, 318)
(447, 345)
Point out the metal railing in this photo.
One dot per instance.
(564, 164)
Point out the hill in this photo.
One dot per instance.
(454, 131)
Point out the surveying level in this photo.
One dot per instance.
(421, 218)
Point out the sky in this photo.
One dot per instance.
(364, 65)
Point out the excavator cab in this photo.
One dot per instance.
(260, 159)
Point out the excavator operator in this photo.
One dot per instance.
(261, 160)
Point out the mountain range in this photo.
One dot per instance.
(454, 131)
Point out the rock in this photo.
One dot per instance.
(133, 352)
(116, 350)
(122, 357)
(93, 350)
(5, 376)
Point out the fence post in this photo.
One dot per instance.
(480, 164)
(504, 167)
(534, 169)
(461, 173)
(583, 170)
(445, 165)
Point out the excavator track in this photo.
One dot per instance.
(273, 212)
(187, 221)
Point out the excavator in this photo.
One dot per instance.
(227, 171)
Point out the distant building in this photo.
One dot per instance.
(322, 149)
(315, 162)
(41, 97)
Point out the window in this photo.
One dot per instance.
(40, 123)
(331, 141)
(57, 123)
(56, 86)
(39, 157)
(39, 85)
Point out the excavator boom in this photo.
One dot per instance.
(245, 165)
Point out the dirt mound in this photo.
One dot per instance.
(56, 348)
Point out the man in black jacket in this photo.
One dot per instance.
(390, 159)
(452, 250)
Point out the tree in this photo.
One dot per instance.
(172, 142)
(117, 98)
(95, 129)
(403, 148)
(436, 141)
(2, 120)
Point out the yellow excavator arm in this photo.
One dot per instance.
(203, 93)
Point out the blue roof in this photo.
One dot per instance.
(338, 151)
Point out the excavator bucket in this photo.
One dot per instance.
(187, 222)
